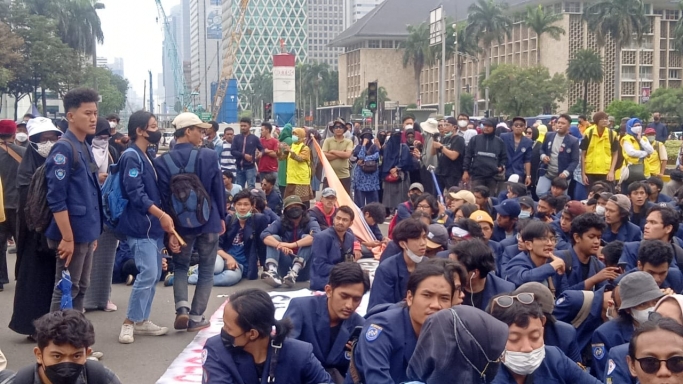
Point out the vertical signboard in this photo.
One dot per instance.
(284, 88)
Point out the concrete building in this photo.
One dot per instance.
(205, 41)
(357, 9)
(117, 66)
(325, 22)
(102, 61)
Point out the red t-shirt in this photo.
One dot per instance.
(267, 163)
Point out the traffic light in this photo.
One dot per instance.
(267, 112)
(372, 96)
(486, 114)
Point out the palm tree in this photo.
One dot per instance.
(540, 21)
(585, 67)
(622, 20)
(466, 46)
(261, 90)
(488, 22)
(416, 51)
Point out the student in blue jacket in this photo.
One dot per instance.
(655, 257)
(507, 215)
(661, 224)
(73, 195)
(482, 283)
(243, 149)
(617, 213)
(327, 321)
(560, 154)
(189, 132)
(526, 353)
(244, 352)
(388, 338)
(332, 246)
(143, 223)
(585, 310)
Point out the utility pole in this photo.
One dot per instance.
(151, 93)
(442, 70)
(144, 95)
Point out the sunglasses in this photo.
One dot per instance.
(518, 125)
(507, 301)
(339, 127)
(651, 365)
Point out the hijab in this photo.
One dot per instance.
(286, 134)
(458, 345)
(392, 152)
(100, 150)
(29, 163)
(630, 124)
(542, 130)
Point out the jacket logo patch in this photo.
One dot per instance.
(347, 355)
(599, 351)
(60, 174)
(59, 159)
(611, 366)
(133, 172)
(373, 332)
(559, 301)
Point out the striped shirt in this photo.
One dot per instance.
(227, 160)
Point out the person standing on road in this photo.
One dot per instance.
(450, 152)
(599, 151)
(268, 162)
(519, 150)
(560, 154)
(285, 139)
(485, 158)
(10, 157)
(226, 158)
(662, 132)
(338, 150)
(244, 148)
(117, 140)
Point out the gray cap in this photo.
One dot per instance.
(437, 236)
(416, 186)
(329, 192)
(621, 201)
(637, 288)
(542, 295)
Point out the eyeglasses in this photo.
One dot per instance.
(458, 288)
(651, 365)
(422, 206)
(339, 127)
(506, 301)
(551, 239)
(520, 125)
(528, 132)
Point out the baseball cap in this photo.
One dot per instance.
(40, 125)
(621, 201)
(542, 295)
(293, 200)
(514, 178)
(329, 192)
(488, 123)
(8, 127)
(258, 193)
(519, 118)
(416, 186)
(21, 122)
(575, 208)
(650, 131)
(464, 195)
(637, 288)
(189, 119)
(509, 207)
(437, 236)
(527, 201)
(481, 217)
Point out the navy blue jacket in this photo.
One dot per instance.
(500, 235)
(629, 256)
(311, 320)
(516, 157)
(228, 365)
(139, 187)
(556, 368)
(327, 251)
(610, 334)
(209, 172)
(568, 159)
(270, 215)
(494, 285)
(274, 201)
(563, 336)
(391, 281)
(253, 245)
(563, 238)
(403, 211)
(502, 262)
(662, 198)
(77, 192)
(627, 232)
(574, 279)
(639, 220)
(384, 348)
(390, 250)
(569, 304)
(617, 368)
(674, 279)
(508, 241)
(275, 228)
(253, 143)
(522, 270)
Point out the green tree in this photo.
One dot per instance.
(586, 68)
(416, 51)
(622, 20)
(541, 22)
(467, 103)
(528, 91)
(668, 101)
(261, 91)
(317, 75)
(110, 86)
(10, 58)
(627, 108)
(359, 103)
(581, 108)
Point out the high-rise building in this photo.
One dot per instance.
(205, 41)
(175, 26)
(325, 21)
(357, 9)
(117, 66)
(101, 62)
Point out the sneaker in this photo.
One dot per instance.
(97, 355)
(148, 328)
(290, 279)
(126, 335)
(130, 280)
(271, 278)
(110, 307)
(195, 326)
(168, 280)
(182, 318)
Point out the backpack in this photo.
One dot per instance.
(190, 203)
(113, 203)
(37, 211)
(587, 136)
(566, 256)
(394, 220)
(95, 373)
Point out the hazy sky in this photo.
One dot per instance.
(131, 32)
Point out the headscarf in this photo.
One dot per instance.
(458, 345)
(630, 124)
(301, 134)
(542, 130)
(29, 163)
(286, 134)
(392, 152)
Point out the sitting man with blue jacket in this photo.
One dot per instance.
(655, 258)
(662, 224)
(482, 283)
(332, 246)
(327, 321)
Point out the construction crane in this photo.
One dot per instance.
(233, 40)
(182, 95)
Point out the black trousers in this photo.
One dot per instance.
(8, 230)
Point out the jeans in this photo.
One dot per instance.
(207, 247)
(222, 277)
(362, 198)
(263, 175)
(284, 262)
(247, 176)
(148, 263)
(79, 268)
(543, 186)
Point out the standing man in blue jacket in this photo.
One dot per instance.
(189, 132)
(73, 195)
(244, 148)
(518, 152)
(560, 154)
(332, 246)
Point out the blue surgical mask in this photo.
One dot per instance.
(524, 215)
(295, 139)
(243, 217)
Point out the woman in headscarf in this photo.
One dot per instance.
(299, 168)
(285, 138)
(365, 174)
(396, 164)
(36, 273)
(537, 138)
(98, 294)
(635, 148)
(459, 345)
(316, 165)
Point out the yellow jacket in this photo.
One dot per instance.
(298, 163)
(599, 150)
(653, 164)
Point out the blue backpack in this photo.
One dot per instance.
(113, 203)
(190, 203)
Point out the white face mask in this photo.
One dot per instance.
(43, 149)
(112, 124)
(415, 258)
(523, 363)
(462, 123)
(608, 313)
(21, 137)
(409, 126)
(637, 130)
(600, 210)
(100, 143)
(642, 315)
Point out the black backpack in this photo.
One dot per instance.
(190, 203)
(37, 212)
(568, 261)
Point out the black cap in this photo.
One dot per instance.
(488, 122)
(523, 120)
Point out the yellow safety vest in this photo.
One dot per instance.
(653, 163)
(599, 152)
(298, 172)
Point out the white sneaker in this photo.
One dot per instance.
(126, 335)
(148, 328)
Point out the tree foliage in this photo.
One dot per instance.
(626, 108)
(543, 22)
(111, 87)
(585, 68)
(528, 91)
(581, 108)
(668, 101)
(467, 103)
(359, 103)
(416, 51)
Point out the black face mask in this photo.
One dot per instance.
(541, 216)
(227, 339)
(294, 213)
(154, 137)
(63, 373)
(382, 138)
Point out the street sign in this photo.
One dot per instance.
(390, 104)
(366, 113)
(205, 116)
(308, 118)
